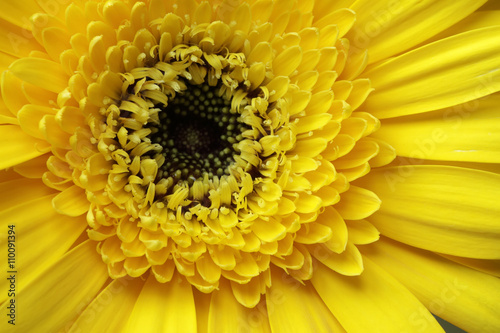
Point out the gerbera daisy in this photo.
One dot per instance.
(250, 166)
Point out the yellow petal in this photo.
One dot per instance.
(27, 189)
(29, 119)
(312, 233)
(12, 95)
(344, 18)
(439, 208)
(18, 147)
(287, 61)
(491, 267)
(40, 72)
(72, 201)
(164, 307)
(357, 203)
(332, 219)
(72, 281)
(418, 81)
(208, 270)
(386, 153)
(109, 307)
(387, 28)
(226, 315)
(15, 41)
(347, 263)
(247, 294)
(380, 299)
(54, 133)
(39, 224)
(362, 232)
(268, 231)
(293, 307)
(460, 295)
(55, 40)
(295, 260)
(19, 12)
(476, 20)
(363, 151)
(34, 168)
(6, 60)
(466, 132)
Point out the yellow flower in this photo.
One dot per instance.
(229, 166)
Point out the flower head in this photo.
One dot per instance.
(210, 162)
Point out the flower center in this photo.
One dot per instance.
(197, 131)
(216, 146)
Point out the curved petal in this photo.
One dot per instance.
(72, 202)
(72, 281)
(34, 168)
(19, 12)
(406, 162)
(460, 295)
(439, 208)
(5, 60)
(476, 20)
(491, 267)
(294, 307)
(390, 27)
(164, 307)
(467, 132)
(226, 315)
(15, 40)
(357, 203)
(12, 191)
(36, 222)
(42, 73)
(372, 300)
(419, 81)
(18, 147)
(109, 307)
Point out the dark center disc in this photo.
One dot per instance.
(197, 131)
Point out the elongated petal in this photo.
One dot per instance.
(477, 20)
(373, 300)
(389, 27)
(164, 307)
(357, 203)
(5, 61)
(71, 281)
(466, 132)
(28, 189)
(109, 307)
(15, 42)
(72, 201)
(294, 307)
(491, 267)
(419, 81)
(34, 168)
(458, 294)
(39, 224)
(18, 12)
(226, 315)
(41, 72)
(349, 262)
(17, 147)
(439, 208)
